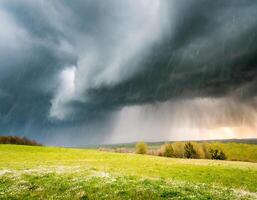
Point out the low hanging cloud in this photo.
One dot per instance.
(79, 66)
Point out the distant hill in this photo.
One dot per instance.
(243, 141)
(18, 140)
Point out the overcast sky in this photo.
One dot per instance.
(91, 71)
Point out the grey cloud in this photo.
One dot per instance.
(115, 53)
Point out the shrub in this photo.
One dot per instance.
(178, 148)
(217, 154)
(201, 149)
(121, 150)
(154, 152)
(222, 156)
(141, 148)
(168, 150)
(160, 152)
(206, 147)
(189, 151)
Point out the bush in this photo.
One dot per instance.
(160, 152)
(141, 148)
(201, 149)
(189, 151)
(168, 150)
(154, 152)
(178, 148)
(217, 154)
(121, 150)
(206, 147)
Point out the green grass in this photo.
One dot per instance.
(60, 173)
(237, 151)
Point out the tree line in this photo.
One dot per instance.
(18, 140)
(191, 150)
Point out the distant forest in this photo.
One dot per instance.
(18, 140)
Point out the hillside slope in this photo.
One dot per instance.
(61, 173)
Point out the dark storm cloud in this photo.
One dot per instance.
(211, 52)
(67, 63)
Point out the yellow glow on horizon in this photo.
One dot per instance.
(230, 132)
(226, 132)
(222, 132)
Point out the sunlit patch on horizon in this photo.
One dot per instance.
(195, 119)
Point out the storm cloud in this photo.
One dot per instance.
(78, 72)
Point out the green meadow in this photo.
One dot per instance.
(28, 172)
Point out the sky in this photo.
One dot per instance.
(82, 72)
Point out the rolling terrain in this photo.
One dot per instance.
(235, 149)
(28, 172)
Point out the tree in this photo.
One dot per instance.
(168, 150)
(189, 151)
(217, 154)
(141, 148)
(178, 148)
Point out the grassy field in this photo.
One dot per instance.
(237, 151)
(61, 173)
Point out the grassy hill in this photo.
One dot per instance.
(234, 151)
(59, 173)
